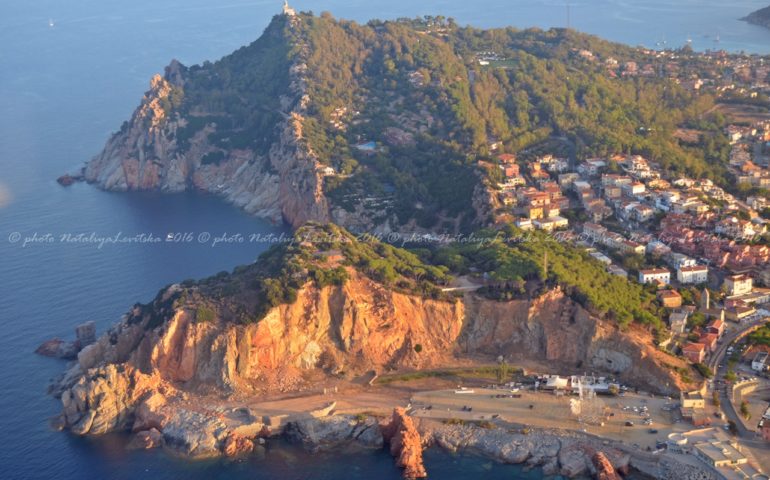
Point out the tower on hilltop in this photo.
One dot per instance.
(287, 10)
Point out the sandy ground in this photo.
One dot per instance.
(604, 416)
(547, 410)
(758, 403)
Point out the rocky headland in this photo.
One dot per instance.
(262, 128)
(189, 370)
(759, 17)
(281, 184)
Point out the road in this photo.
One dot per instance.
(462, 284)
(730, 338)
(747, 437)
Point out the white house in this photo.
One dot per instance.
(665, 200)
(759, 364)
(655, 275)
(695, 274)
(633, 189)
(679, 260)
(601, 257)
(524, 224)
(551, 223)
(641, 213)
(738, 285)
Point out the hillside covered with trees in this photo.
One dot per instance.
(403, 110)
(515, 267)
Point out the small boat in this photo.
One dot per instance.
(50, 22)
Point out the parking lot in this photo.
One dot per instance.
(633, 418)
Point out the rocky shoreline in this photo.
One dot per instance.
(164, 418)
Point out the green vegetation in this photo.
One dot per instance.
(240, 94)
(502, 372)
(715, 399)
(745, 410)
(324, 277)
(417, 89)
(513, 263)
(484, 372)
(704, 370)
(361, 417)
(204, 314)
(326, 255)
(454, 421)
(321, 254)
(761, 336)
(697, 319)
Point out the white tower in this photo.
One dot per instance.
(287, 10)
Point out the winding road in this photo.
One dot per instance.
(747, 437)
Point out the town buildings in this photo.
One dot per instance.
(692, 274)
(738, 285)
(655, 275)
(760, 362)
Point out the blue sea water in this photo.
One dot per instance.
(64, 88)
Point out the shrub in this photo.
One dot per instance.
(204, 314)
(704, 370)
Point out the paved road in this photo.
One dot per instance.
(747, 437)
(730, 338)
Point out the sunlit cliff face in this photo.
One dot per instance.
(5, 196)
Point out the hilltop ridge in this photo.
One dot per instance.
(384, 126)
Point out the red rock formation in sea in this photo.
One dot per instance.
(604, 469)
(405, 444)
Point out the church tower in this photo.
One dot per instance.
(705, 299)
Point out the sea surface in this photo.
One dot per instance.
(70, 73)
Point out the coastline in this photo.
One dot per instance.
(216, 429)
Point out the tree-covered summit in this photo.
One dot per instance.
(400, 112)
